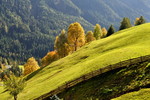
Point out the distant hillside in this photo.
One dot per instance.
(28, 27)
(123, 45)
(106, 12)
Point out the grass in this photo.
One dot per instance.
(111, 84)
(123, 45)
(6, 95)
(143, 94)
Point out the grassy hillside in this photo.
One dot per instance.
(143, 94)
(111, 84)
(123, 45)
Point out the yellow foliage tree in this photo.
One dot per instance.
(104, 33)
(49, 58)
(76, 36)
(97, 31)
(30, 66)
(89, 37)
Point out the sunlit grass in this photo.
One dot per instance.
(5, 95)
(123, 45)
(143, 94)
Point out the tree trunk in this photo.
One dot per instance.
(15, 97)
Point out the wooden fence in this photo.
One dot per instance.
(92, 74)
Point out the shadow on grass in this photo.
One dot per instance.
(33, 74)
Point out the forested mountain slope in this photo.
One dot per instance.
(28, 28)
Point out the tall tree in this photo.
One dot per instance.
(125, 23)
(76, 36)
(89, 37)
(140, 21)
(111, 30)
(61, 44)
(14, 85)
(97, 31)
(31, 66)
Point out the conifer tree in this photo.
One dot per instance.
(140, 21)
(76, 36)
(97, 31)
(31, 66)
(111, 30)
(125, 23)
(89, 37)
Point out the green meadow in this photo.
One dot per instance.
(143, 94)
(123, 45)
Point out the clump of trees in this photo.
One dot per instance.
(99, 32)
(70, 41)
(139, 21)
(30, 66)
(127, 24)
(49, 58)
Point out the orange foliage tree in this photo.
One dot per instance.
(104, 33)
(30, 66)
(49, 58)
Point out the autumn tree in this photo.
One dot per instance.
(111, 30)
(97, 31)
(31, 66)
(76, 36)
(14, 85)
(125, 23)
(49, 58)
(89, 37)
(140, 21)
(61, 44)
(104, 33)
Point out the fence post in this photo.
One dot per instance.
(66, 85)
(92, 73)
(120, 64)
(141, 59)
(100, 70)
(83, 77)
(110, 67)
(130, 61)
